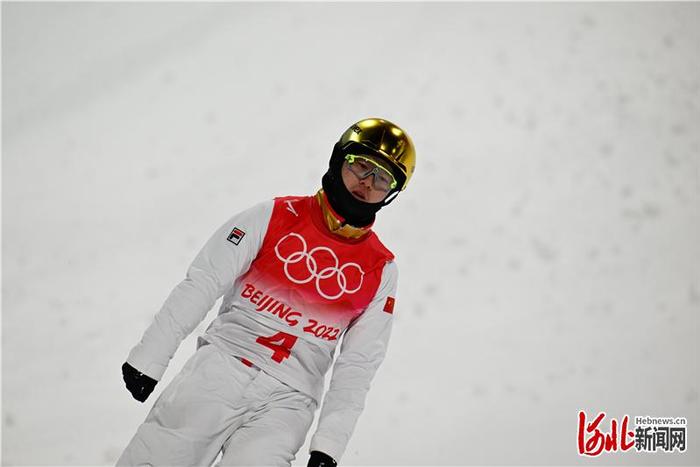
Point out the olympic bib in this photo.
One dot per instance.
(318, 274)
(310, 264)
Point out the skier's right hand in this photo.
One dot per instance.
(139, 385)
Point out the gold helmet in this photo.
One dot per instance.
(385, 139)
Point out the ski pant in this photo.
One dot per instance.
(218, 403)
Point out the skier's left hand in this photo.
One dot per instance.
(320, 459)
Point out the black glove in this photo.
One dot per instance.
(139, 385)
(319, 459)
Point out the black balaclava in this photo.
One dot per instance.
(356, 213)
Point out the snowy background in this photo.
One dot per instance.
(548, 242)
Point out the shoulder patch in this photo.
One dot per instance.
(389, 305)
(236, 236)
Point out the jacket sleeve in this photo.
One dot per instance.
(362, 351)
(223, 258)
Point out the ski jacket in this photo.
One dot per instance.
(291, 289)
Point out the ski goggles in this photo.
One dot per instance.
(363, 167)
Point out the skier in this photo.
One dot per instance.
(297, 273)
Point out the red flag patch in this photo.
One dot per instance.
(389, 305)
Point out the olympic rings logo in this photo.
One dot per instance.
(313, 268)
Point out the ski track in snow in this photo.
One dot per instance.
(547, 244)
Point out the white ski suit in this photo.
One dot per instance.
(291, 289)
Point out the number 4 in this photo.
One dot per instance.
(281, 344)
